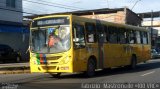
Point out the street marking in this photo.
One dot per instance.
(148, 73)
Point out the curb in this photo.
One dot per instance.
(15, 70)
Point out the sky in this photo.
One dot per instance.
(55, 6)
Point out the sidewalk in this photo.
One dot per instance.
(14, 68)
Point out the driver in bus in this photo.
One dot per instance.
(53, 38)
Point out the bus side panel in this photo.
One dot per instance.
(125, 54)
(112, 54)
(81, 57)
(146, 52)
(79, 60)
(137, 50)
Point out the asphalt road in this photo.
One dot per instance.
(148, 73)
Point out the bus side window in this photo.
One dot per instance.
(101, 34)
(138, 37)
(145, 37)
(127, 36)
(78, 36)
(112, 34)
(148, 38)
(106, 34)
(141, 36)
(122, 38)
(91, 32)
(132, 37)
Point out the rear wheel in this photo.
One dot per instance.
(91, 68)
(133, 62)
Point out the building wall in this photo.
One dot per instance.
(133, 19)
(8, 15)
(11, 29)
(18, 41)
(118, 17)
(123, 17)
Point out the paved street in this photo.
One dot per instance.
(145, 73)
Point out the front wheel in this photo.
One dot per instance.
(56, 75)
(91, 68)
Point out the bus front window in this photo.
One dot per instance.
(51, 40)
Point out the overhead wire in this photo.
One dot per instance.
(53, 5)
(61, 4)
(36, 8)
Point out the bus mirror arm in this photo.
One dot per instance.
(28, 49)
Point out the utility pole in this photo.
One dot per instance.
(152, 43)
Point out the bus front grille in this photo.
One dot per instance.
(54, 58)
(49, 67)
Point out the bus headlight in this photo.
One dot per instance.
(35, 62)
(65, 60)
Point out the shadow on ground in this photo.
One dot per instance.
(116, 71)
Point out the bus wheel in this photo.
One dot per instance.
(90, 68)
(133, 62)
(56, 75)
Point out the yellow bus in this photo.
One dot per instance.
(68, 44)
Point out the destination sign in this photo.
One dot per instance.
(51, 21)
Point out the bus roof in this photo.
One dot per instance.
(94, 20)
(110, 23)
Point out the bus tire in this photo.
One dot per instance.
(56, 75)
(91, 66)
(133, 62)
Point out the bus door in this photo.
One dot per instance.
(127, 39)
(79, 47)
(123, 47)
(101, 38)
(101, 49)
(114, 48)
(144, 42)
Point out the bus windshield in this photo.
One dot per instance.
(50, 40)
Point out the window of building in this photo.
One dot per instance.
(91, 32)
(11, 3)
